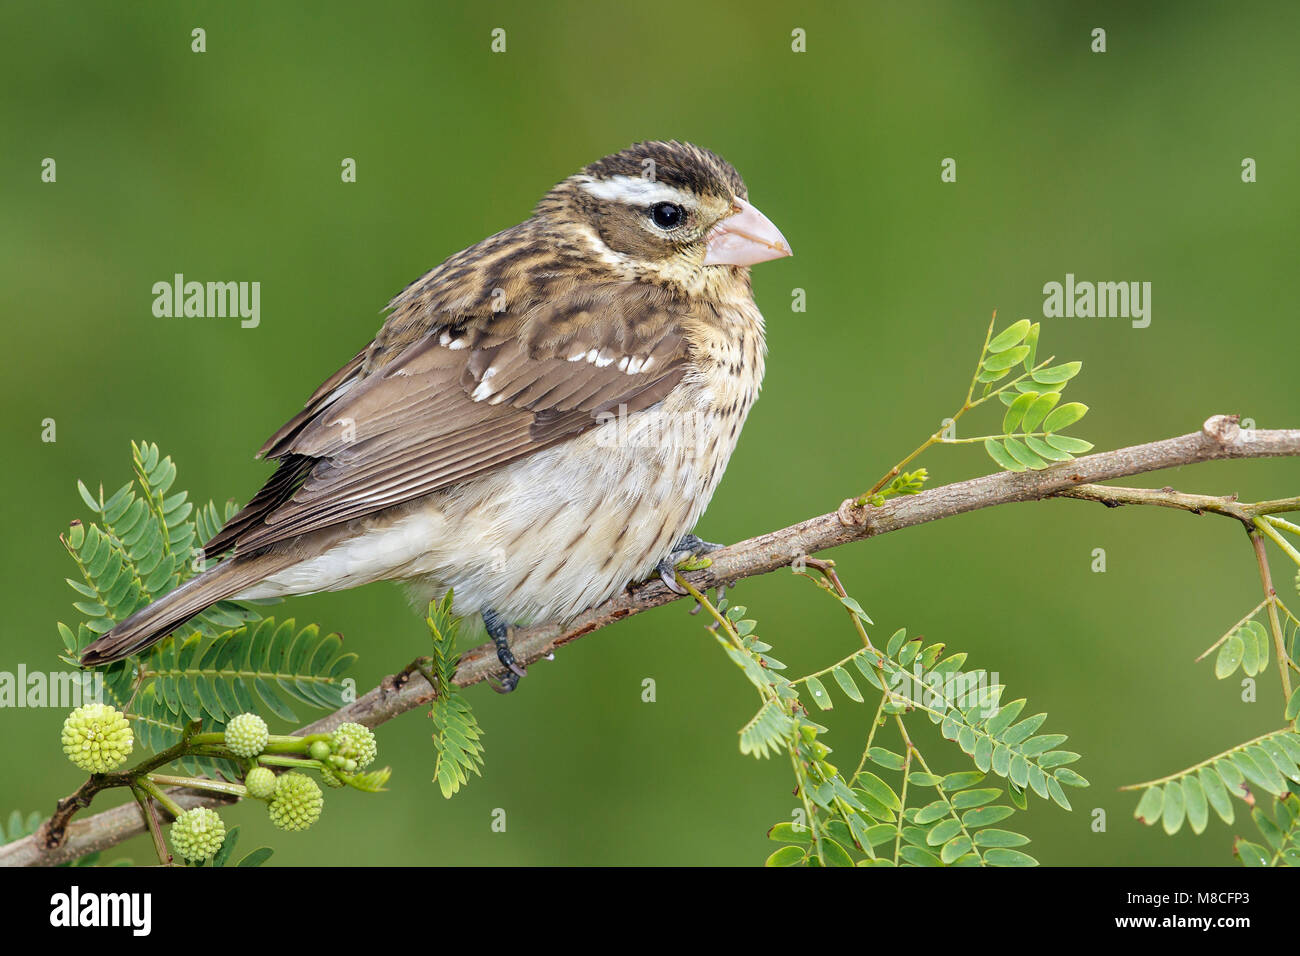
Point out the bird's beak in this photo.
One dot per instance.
(744, 238)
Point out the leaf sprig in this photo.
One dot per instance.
(1270, 762)
(848, 820)
(1031, 437)
(457, 733)
(227, 660)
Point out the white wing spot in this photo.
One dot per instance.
(484, 389)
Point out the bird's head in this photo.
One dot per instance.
(669, 210)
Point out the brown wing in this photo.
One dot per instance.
(462, 400)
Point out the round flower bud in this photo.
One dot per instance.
(97, 738)
(297, 802)
(260, 783)
(344, 764)
(198, 834)
(320, 750)
(354, 742)
(246, 735)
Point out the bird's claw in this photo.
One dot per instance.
(667, 569)
(506, 684)
(514, 670)
(689, 546)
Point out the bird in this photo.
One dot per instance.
(540, 421)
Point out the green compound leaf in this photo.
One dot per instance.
(787, 856)
(1022, 454)
(1151, 805)
(885, 758)
(1057, 374)
(456, 729)
(880, 790)
(1293, 705)
(256, 857)
(1004, 857)
(768, 731)
(1196, 805)
(999, 838)
(984, 816)
(1230, 657)
(1040, 446)
(846, 684)
(1251, 854)
(1174, 807)
(1001, 456)
(917, 856)
(818, 693)
(1011, 336)
(1216, 793)
(789, 833)
(1064, 416)
(1261, 641)
(1039, 409)
(1031, 340)
(967, 799)
(833, 854)
(1075, 446)
(1016, 411)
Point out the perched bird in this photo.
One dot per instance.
(541, 420)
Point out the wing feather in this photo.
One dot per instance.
(472, 394)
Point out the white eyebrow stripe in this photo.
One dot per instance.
(633, 189)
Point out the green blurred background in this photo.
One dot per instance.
(1117, 166)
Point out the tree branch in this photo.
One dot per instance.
(1219, 438)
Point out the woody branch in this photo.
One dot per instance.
(1219, 438)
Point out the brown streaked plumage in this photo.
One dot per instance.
(514, 429)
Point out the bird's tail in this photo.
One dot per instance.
(152, 623)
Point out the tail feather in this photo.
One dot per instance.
(151, 624)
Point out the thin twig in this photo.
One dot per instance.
(1270, 598)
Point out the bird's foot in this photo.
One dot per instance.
(499, 631)
(689, 554)
(695, 546)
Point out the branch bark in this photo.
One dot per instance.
(1218, 439)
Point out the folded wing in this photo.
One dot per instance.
(468, 396)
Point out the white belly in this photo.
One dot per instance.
(546, 537)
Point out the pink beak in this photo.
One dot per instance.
(744, 238)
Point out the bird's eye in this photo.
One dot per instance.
(667, 215)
